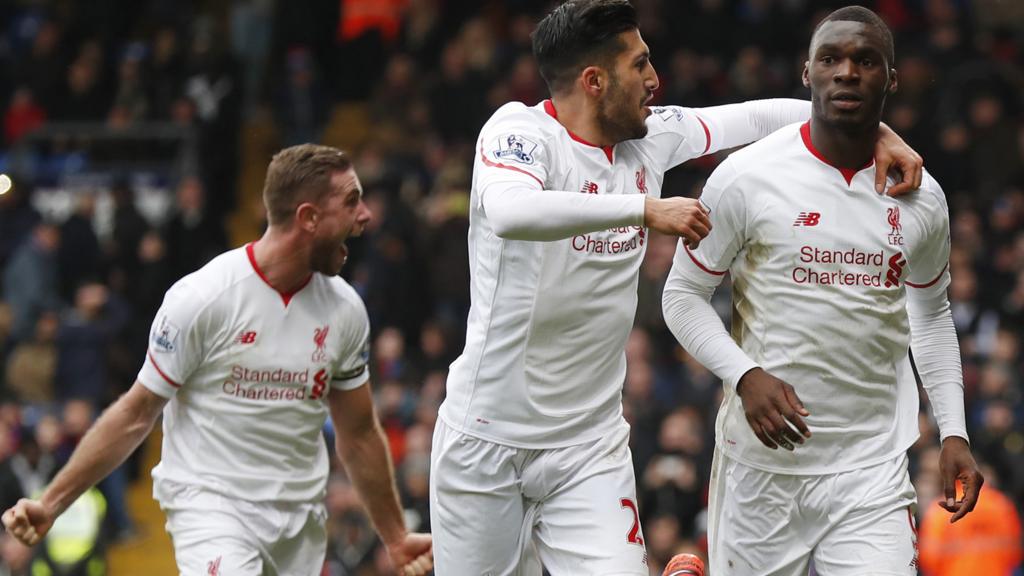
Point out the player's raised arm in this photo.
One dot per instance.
(363, 449)
(708, 130)
(114, 436)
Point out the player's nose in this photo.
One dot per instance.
(365, 214)
(651, 82)
(845, 71)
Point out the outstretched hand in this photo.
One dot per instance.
(956, 464)
(413, 555)
(28, 521)
(773, 410)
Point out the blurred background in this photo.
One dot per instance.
(136, 134)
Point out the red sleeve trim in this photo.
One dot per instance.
(701, 266)
(494, 164)
(932, 283)
(707, 135)
(161, 372)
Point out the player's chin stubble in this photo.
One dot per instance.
(620, 120)
(325, 259)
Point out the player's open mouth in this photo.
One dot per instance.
(344, 251)
(846, 100)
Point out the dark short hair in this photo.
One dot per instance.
(577, 34)
(300, 174)
(865, 16)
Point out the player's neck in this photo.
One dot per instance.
(844, 148)
(579, 117)
(282, 259)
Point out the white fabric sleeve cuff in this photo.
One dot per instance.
(937, 357)
(517, 212)
(694, 322)
(153, 377)
(734, 125)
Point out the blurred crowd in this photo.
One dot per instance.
(75, 305)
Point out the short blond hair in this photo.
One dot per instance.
(300, 174)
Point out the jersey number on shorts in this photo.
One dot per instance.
(634, 536)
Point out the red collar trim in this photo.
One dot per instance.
(285, 296)
(848, 173)
(549, 107)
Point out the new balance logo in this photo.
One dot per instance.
(246, 337)
(589, 187)
(807, 219)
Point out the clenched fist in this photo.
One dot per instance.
(28, 521)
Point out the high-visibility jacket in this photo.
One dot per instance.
(74, 545)
(986, 541)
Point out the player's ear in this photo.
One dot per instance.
(307, 216)
(593, 80)
(893, 81)
(806, 75)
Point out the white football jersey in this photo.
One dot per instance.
(544, 361)
(820, 264)
(248, 370)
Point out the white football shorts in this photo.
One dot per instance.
(496, 510)
(848, 524)
(214, 535)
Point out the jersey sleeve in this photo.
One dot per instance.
(175, 342)
(695, 275)
(510, 182)
(512, 149)
(724, 202)
(929, 262)
(352, 368)
(677, 134)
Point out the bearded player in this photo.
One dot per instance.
(247, 357)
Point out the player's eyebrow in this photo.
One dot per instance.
(645, 55)
(859, 50)
(357, 190)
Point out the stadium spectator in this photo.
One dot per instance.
(23, 115)
(31, 280)
(17, 220)
(32, 365)
(86, 331)
(194, 234)
(78, 255)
